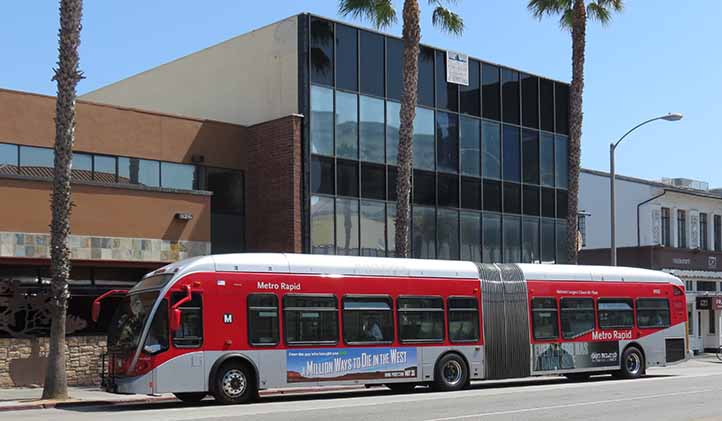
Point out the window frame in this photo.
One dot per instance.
(368, 296)
(636, 312)
(533, 323)
(476, 310)
(249, 324)
(634, 318)
(569, 310)
(442, 310)
(326, 309)
(181, 294)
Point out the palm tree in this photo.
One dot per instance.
(573, 17)
(67, 76)
(383, 14)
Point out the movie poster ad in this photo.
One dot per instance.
(571, 355)
(319, 365)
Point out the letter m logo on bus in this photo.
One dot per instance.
(227, 318)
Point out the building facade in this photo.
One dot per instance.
(674, 225)
(284, 139)
(490, 156)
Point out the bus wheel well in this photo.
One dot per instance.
(233, 358)
(641, 350)
(462, 356)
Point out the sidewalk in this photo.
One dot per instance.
(21, 398)
(29, 398)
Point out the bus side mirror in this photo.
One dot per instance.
(175, 319)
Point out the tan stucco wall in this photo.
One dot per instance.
(106, 211)
(246, 80)
(27, 119)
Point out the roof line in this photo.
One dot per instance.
(433, 47)
(122, 108)
(667, 187)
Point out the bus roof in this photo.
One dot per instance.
(595, 274)
(418, 268)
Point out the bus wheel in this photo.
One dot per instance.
(577, 377)
(451, 373)
(192, 397)
(401, 387)
(234, 384)
(632, 364)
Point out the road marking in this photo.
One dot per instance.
(570, 405)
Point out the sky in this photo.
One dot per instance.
(658, 56)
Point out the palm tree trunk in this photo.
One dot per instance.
(67, 76)
(579, 29)
(411, 37)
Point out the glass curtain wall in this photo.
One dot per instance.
(489, 158)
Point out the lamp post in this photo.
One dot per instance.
(612, 148)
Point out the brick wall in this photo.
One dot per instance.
(23, 361)
(273, 186)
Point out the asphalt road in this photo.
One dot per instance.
(692, 390)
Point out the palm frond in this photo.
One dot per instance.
(541, 8)
(380, 12)
(601, 10)
(566, 21)
(612, 5)
(447, 20)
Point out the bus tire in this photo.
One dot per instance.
(632, 364)
(234, 383)
(451, 373)
(401, 387)
(190, 397)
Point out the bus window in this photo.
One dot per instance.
(652, 312)
(367, 320)
(615, 313)
(310, 319)
(577, 316)
(421, 319)
(545, 318)
(463, 319)
(190, 333)
(263, 319)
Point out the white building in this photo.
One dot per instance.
(674, 225)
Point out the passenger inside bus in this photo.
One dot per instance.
(372, 329)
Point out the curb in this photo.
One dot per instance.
(88, 403)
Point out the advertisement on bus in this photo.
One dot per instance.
(319, 365)
(574, 355)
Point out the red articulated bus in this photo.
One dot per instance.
(231, 325)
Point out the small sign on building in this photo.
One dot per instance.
(457, 68)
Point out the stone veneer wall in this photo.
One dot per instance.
(85, 247)
(23, 361)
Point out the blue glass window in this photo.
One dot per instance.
(321, 120)
(491, 139)
(177, 176)
(423, 144)
(470, 146)
(447, 142)
(512, 154)
(392, 131)
(346, 56)
(371, 129)
(346, 125)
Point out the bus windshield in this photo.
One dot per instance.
(129, 319)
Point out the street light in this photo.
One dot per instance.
(612, 148)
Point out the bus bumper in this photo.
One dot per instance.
(139, 385)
